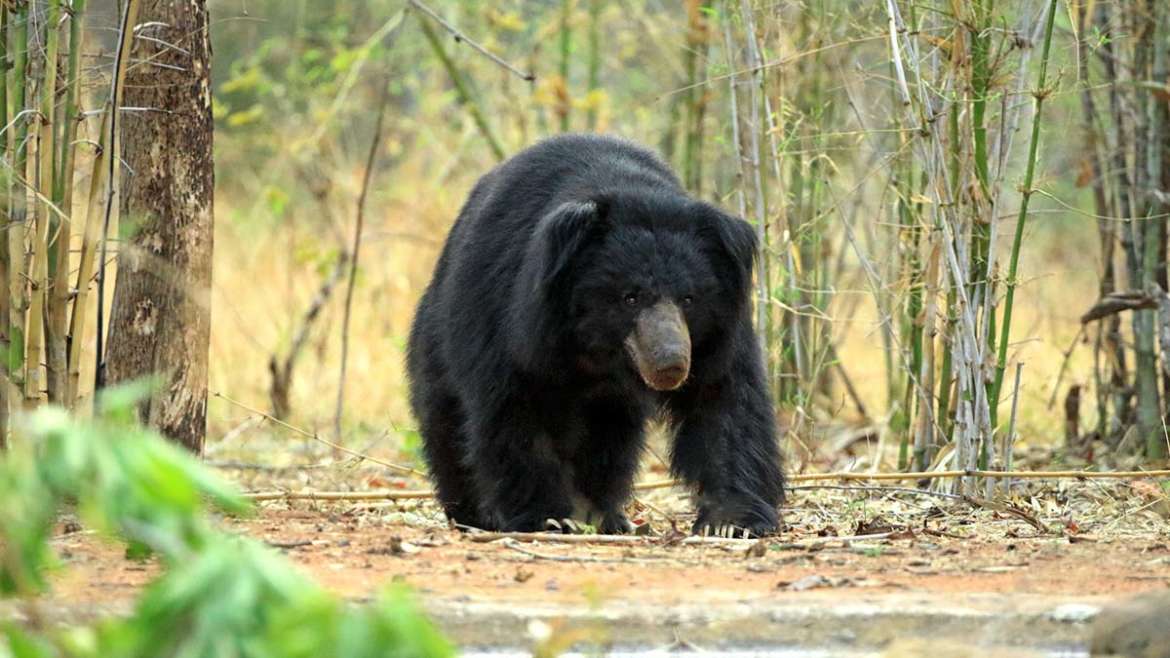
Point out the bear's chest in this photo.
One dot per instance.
(595, 414)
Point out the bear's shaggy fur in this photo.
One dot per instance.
(580, 294)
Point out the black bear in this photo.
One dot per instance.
(581, 293)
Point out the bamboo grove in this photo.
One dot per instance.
(52, 147)
(957, 149)
(966, 86)
(895, 157)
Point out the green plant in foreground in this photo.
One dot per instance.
(220, 596)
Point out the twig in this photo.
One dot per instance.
(824, 541)
(301, 543)
(669, 518)
(1065, 359)
(307, 434)
(371, 162)
(515, 546)
(847, 381)
(463, 90)
(462, 38)
(1009, 441)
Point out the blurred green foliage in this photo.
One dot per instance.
(220, 596)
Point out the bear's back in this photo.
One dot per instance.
(488, 241)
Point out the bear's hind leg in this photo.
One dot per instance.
(517, 472)
(441, 426)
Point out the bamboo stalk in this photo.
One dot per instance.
(5, 300)
(1154, 46)
(91, 238)
(56, 229)
(595, 8)
(60, 291)
(565, 101)
(1039, 95)
(112, 146)
(756, 153)
(924, 438)
(44, 183)
(17, 282)
(696, 95)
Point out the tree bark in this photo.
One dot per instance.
(161, 319)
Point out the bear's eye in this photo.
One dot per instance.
(687, 300)
(631, 299)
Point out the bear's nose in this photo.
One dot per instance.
(672, 375)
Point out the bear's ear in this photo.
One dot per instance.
(732, 242)
(559, 236)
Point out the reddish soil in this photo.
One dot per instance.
(354, 550)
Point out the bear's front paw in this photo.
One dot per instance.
(537, 521)
(615, 523)
(752, 519)
(566, 526)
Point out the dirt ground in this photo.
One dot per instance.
(1085, 540)
(856, 566)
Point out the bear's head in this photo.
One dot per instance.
(638, 283)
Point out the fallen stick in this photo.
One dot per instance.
(422, 494)
(418, 494)
(628, 540)
(937, 475)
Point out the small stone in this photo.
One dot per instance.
(1074, 613)
(1135, 628)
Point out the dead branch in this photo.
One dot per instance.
(463, 90)
(462, 38)
(281, 372)
(1118, 302)
(355, 252)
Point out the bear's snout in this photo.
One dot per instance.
(660, 346)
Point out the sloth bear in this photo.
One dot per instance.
(581, 293)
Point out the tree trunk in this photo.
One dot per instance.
(161, 319)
